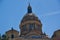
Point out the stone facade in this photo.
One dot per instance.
(30, 29)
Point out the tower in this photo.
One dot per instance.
(30, 23)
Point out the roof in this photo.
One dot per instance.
(12, 30)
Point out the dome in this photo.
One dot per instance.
(12, 33)
(30, 17)
(30, 22)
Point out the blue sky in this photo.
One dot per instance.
(12, 12)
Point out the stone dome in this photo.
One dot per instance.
(30, 17)
(30, 22)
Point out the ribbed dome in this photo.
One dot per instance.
(30, 22)
(30, 16)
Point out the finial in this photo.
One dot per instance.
(29, 9)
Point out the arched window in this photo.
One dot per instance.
(31, 27)
(12, 36)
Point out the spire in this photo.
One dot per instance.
(29, 9)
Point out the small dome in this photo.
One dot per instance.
(12, 30)
(56, 33)
(12, 33)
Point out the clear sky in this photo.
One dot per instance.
(12, 12)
